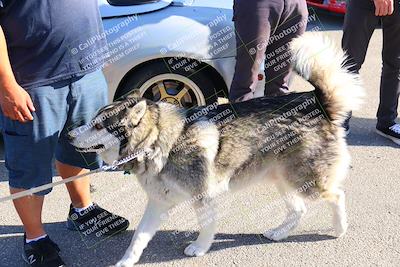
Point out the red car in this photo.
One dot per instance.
(336, 6)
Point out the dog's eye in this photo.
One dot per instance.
(98, 126)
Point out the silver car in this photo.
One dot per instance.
(181, 52)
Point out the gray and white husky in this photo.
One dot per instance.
(295, 141)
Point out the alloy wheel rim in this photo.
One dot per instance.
(173, 88)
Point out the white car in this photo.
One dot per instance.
(182, 52)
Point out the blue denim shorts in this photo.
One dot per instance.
(60, 107)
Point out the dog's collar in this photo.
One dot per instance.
(146, 151)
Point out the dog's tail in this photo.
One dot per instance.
(319, 61)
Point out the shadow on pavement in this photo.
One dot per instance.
(362, 133)
(173, 250)
(166, 245)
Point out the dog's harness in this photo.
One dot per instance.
(114, 166)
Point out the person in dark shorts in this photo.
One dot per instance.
(50, 82)
(264, 29)
(361, 19)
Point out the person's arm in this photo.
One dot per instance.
(383, 7)
(15, 102)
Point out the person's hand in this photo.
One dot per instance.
(16, 103)
(383, 7)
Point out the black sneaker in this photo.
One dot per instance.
(96, 221)
(392, 132)
(42, 253)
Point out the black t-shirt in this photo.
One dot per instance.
(50, 41)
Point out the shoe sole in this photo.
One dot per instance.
(27, 262)
(394, 139)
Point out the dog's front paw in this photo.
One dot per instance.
(128, 262)
(340, 227)
(195, 250)
(276, 234)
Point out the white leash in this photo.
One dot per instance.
(114, 166)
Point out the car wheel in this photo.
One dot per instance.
(158, 82)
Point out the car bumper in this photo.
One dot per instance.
(331, 6)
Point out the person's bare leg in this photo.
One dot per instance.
(79, 190)
(29, 210)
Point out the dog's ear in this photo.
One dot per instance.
(136, 113)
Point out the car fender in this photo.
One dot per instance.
(204, 34)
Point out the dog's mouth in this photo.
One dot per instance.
(90, 149)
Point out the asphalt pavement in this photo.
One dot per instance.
(372, 190)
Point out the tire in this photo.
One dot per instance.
(195, 87)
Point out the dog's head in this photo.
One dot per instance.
(115, 131)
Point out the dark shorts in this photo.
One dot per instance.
(60, 107)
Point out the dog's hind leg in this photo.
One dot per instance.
(335, 195)
(337, 201)
(144, 233)
(296, 209)
(206, 217)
